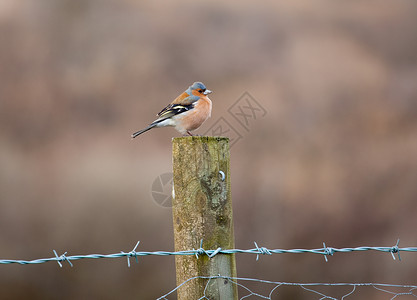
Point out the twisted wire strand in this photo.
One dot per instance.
(325, 251)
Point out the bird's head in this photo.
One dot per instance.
(198, 89)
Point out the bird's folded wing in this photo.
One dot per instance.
(172, 110)
(184, 102)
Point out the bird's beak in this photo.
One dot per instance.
(206, 92)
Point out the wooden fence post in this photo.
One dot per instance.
(202, 210)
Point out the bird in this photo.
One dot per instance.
(186, 113)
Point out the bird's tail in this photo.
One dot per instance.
(142, 131)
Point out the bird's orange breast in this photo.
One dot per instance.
(193, 119)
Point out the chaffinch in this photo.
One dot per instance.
(186, 113)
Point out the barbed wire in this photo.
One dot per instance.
(325, 251)
(309, 287)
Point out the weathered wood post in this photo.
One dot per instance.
(202, 210)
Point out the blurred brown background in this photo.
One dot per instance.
(334, 159)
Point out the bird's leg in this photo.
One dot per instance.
(189, 133)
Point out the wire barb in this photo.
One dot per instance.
(262, 251)
(200, 251)
(396, 249)
(132, 253)
(62, 258)
(327, 251)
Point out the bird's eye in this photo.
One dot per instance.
(200, 91)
